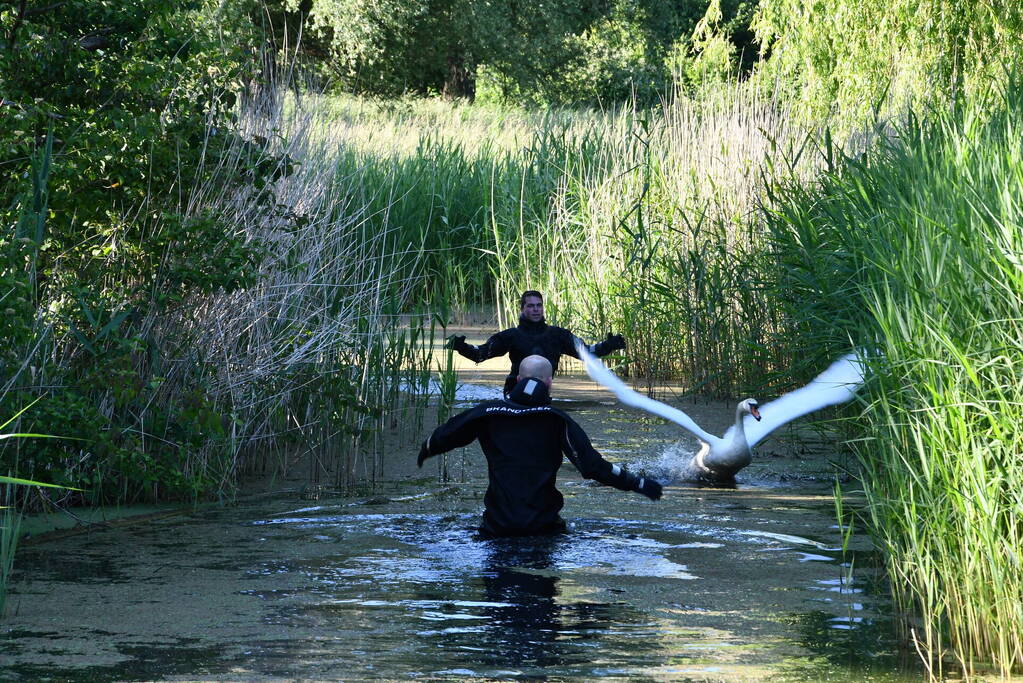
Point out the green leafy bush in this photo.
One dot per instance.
(114, 113)
(563, 52)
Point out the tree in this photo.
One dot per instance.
(396, 46)
(849, 56)
(559, 51)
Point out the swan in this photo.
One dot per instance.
(720, 457)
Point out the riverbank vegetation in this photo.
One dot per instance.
(914, 250)
(217, 256)
(179, 292)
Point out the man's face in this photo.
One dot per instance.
(532, 309)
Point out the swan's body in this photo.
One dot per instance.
(720, 457)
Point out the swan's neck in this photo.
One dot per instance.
(740, 424)
(723, 459)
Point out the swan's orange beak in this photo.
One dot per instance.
(755, 412)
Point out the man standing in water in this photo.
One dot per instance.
(524, 439)
(532, 336)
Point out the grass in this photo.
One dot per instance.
(636, 222)
(913, 249)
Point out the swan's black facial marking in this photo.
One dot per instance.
(754, 411)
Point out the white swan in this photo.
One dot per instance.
(719, 458)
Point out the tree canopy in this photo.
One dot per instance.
(560, 51)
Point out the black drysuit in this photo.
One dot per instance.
(524, 438)
(531, 338)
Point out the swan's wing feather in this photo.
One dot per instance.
(599, 373)
(835, 385)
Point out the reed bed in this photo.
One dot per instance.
(636, 222)
(914, 251)
(323, 352)
(316, 357)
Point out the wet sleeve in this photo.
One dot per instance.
(592, 465)
(614, 342)
(457, 432)
(496, 345)
(600, 349)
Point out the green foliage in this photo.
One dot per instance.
(847, 57)
(913, 250)
(126, 91)
(111, 118)
(569, 51)
(618, 57)
(715, 58)
(391, 47)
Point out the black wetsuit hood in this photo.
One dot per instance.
(530, 391)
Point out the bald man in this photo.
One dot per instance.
(524, 439)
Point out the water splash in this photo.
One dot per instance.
(673, 463)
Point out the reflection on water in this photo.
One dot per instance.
(706, 585)
(579, 604)
(849, 643)
(531, 627)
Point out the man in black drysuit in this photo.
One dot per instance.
(524, 438)
(532, 336)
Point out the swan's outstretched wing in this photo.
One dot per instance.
(599, 373)
(835, 385)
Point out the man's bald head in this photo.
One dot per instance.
(538, 367)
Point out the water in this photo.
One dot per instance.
(707, 584)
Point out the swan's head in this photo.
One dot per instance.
(750, 406)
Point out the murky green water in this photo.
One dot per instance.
(705, 585)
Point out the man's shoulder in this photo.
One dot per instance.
(495, 408)
(492, 408)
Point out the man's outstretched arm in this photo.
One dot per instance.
(456, 432)
(591, 465)
(492, 348)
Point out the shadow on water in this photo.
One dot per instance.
(142, 662)
(343, 595)
(527, 628)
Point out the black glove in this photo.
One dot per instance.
(424, 453)
(614, 342)
(649, 488)
(455, 341)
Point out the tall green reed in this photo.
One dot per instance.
(10, 521)
(10, 525)
(11, 512)
(629, 221)
(913, 250)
